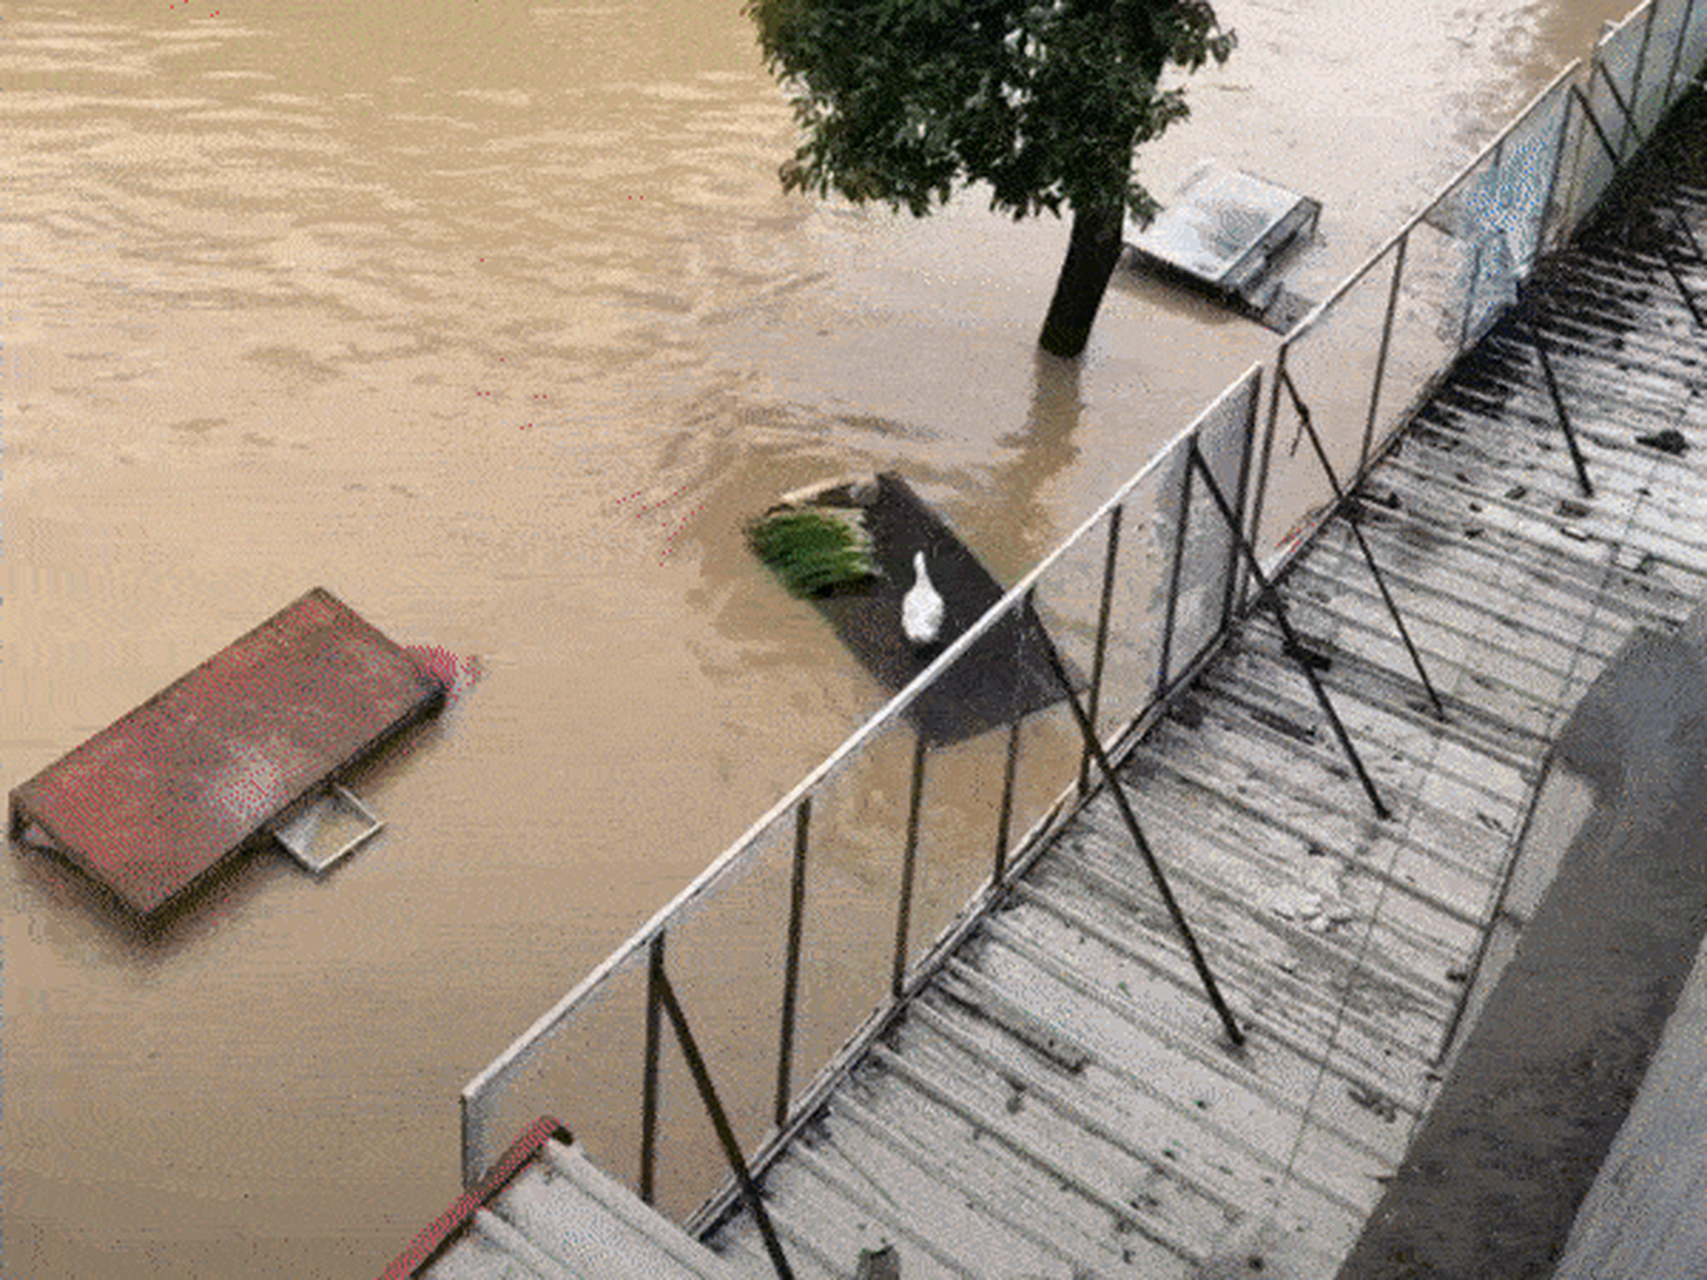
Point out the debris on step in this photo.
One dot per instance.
(1668, 441)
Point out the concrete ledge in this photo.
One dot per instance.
(1643, 1217)
(1551, 1067)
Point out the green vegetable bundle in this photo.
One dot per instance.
(813, 550)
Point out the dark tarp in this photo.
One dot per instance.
(1003, 677)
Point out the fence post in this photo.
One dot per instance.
(1381, 350)
(1573, 187)
(1246, 450)
(1353, 522)
(649, 1073)
(720, 1124)
(1124, 805)
(1004, 816)
(909, 857)
(1175, 567)
(1293, 646)
(1631, 125)
(1543, 232)
(1552, 382)
(1677, 49)
(1260, 500)
(1111, 553)
(791, 962)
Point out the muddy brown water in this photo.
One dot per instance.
(492, 319)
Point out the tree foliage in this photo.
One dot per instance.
(901, 101)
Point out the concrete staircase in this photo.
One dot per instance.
(557, 1217)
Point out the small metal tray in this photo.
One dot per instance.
(335, 823)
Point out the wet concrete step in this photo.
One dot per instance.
(1656, 365)
(1640, 532)
(561, 1218)
(1445, 626)
(1229, 1151)
(1303, 891)
(1487, 681)
(1483, 763)
(1289, 984)
(1438, 539)
(1432, 568)
(1305, 877)
(1528, 436)
(1444, 856)
(1334, 1118)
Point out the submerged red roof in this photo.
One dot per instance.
(158, 798)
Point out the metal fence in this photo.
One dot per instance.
(796, 945)
(1370, 354)
(831, 901)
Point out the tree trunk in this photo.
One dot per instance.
(1092, 254)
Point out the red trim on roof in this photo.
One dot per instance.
(431, 1242)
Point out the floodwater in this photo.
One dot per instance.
(492, 319)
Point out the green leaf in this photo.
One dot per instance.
(903, 102)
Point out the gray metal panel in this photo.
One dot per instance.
(1222, 225)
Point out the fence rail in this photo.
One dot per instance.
(1137, 597)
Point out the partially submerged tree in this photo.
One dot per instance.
(903, 101)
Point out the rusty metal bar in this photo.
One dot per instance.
(1630, 125)
(909, 860)
(1088, 732)
(1682, 288)
(1004, 817)
(1175, 568)
(666, 997)
(1294, 648)
(1677, 49)
(1526, 297)
(791, 962)
(1381, 351)
(1309, 427)
(1111, 553)
(649, 1075)
(1246, 454)
(1544, 230)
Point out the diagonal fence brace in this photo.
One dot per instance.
(1309, 429)
(1684, 291)
(1088, 731)
(1527, 300)
(660, 994)
(1697, 258)
(1266, 594)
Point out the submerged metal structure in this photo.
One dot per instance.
(215, 761)
(1225, 232)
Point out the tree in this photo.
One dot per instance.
(903, 101)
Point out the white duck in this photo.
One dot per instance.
(921, 608)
